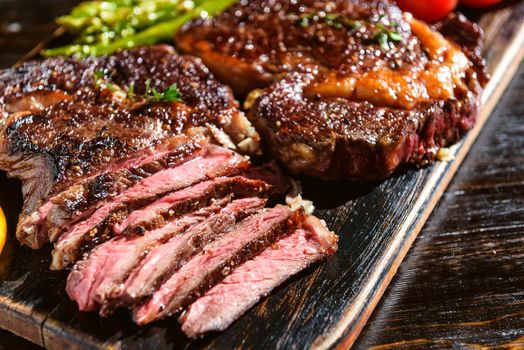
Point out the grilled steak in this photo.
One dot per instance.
(356, 88)
(243, 242)
(215, 162)
(64, 120)
(228, 300)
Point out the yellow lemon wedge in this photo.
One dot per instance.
(3, 230)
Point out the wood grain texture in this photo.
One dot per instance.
(326, 306)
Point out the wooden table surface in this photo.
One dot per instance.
(462, 283)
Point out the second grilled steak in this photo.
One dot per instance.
(357, 88)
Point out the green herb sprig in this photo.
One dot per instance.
(171, 94)
(386, 35)
(152, 95)
(102, 82)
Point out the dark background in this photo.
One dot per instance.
(462, 283)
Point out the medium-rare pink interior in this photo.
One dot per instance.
(161, 262)
(228, 300)
(101, 275)
(217, 260)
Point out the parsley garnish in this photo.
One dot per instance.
(131, 91)
(171, 94)
(340, 22)
(101, 82)
(384, 36)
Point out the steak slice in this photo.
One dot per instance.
(110, 263)
(217, 260)
(165, 209)
(166, 259)
(345, 100)
(220, 306)
(98, 227)
(65, 120)
(272, 174)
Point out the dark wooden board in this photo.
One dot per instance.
(325, 307)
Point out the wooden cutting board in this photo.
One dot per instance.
(324, 307)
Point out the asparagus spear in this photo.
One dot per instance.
(159, 32)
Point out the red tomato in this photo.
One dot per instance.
(479, 3)
(429, 11)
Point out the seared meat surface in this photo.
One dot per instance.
(255, 42)
(356, 88)
(340, 139)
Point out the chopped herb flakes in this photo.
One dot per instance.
(101, 82)
(171, 94)
(384, 36)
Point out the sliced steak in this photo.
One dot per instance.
(109, 264)
(163, 261)
(219, 307)
(64, 120)
(167, 207)
(82, 198)
(98, 227)
(346, 100)
(217, 260)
